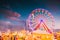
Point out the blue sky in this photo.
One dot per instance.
(24, 8)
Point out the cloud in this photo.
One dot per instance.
(4, 25)
(13, 18)
(10, 14)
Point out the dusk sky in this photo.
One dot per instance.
(23, 8)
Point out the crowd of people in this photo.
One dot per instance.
(24, 35)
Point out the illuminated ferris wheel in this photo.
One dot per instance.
(39, 17)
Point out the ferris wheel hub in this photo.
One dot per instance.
(41, 20)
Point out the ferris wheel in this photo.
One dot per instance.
(39, 17)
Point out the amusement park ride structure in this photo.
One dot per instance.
(41, 18)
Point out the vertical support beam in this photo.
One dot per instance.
(47, 29)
